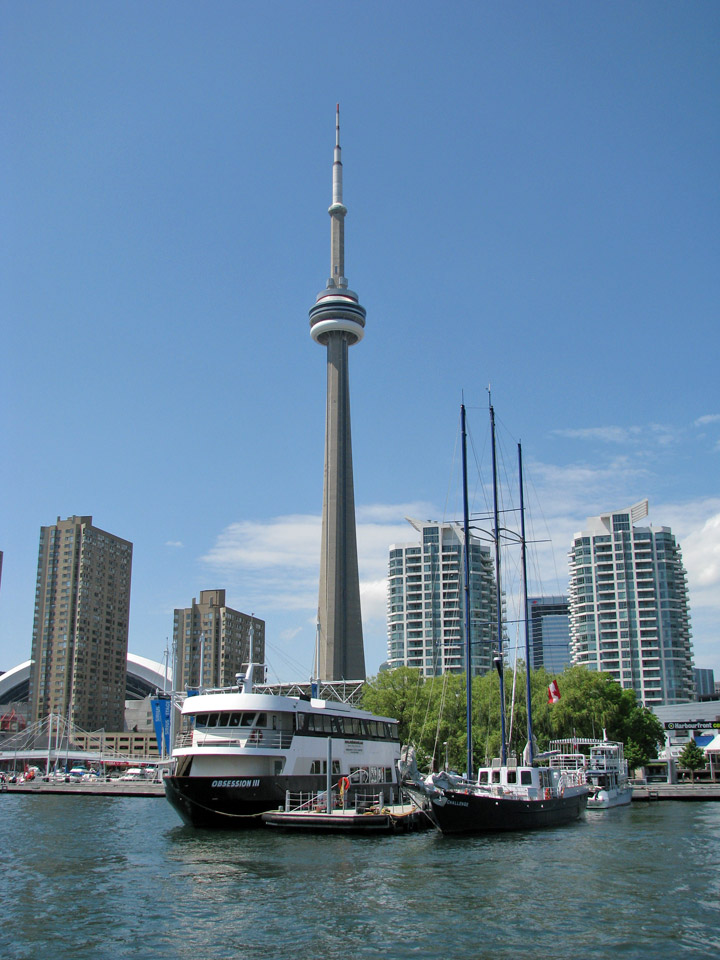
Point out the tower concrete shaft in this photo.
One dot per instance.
(337, 321)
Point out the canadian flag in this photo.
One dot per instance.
(553, 692)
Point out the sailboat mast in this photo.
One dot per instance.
(468, 639)
(523, 554)
(499, 663)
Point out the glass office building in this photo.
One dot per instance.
(549, 633)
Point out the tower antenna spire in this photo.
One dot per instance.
(337, 211)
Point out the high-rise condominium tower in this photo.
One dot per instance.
(629, 613)
(337, 321)
(426, 607)
(80, 629)
(212, 643)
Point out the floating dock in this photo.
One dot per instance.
(398, 818)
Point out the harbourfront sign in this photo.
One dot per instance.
(692, 724)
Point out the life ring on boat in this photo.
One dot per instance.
(344, 784)
(256, 736)
(548, 793)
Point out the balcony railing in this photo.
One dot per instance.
(254, 739)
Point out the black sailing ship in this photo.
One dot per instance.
(507, 795)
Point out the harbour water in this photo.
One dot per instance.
(106, 877)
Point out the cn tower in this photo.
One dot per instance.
(337, 321)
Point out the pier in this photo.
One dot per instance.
(676, 791)
(101, 788)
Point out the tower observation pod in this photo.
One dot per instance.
(337, 321)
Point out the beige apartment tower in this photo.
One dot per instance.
(212, 644)
(80, 628)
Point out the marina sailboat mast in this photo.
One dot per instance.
(526, 621)
(498, 660)
(466, 578)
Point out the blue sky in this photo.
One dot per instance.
(533, 203)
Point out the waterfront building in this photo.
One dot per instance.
(144, 679)
(426, 601)
(211, 643)
(697, 721)
(629, 613)
(80, 627)
(704, 683)
(337, 321)
(549, 633)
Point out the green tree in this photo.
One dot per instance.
(399, 694)
(692, 758)
(431, 713)
(590, 703)
(642, 733)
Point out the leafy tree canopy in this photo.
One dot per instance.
(692, 757)
(431, 713)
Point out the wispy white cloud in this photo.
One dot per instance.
(276, 561)
(272, 566)
(373, 598)
(580, 490)
(607, 434)
(287, 542)
(174, 543)
(696, 525)
(707, 420)
(655, 433)
(390, 512)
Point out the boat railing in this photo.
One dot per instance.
(519, 791)
(254, 739)
(568, 761)
(572, 778)
(359, 802)
(607, 763)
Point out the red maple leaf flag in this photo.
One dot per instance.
(553, 692)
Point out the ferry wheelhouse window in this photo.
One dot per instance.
(329, 725)
(231, 719)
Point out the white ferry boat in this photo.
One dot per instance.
(605, 767)
(241, 752)
(607, 775)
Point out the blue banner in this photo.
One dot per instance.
(161, 721)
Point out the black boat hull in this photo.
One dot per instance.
(229, 803)
(456, 812)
